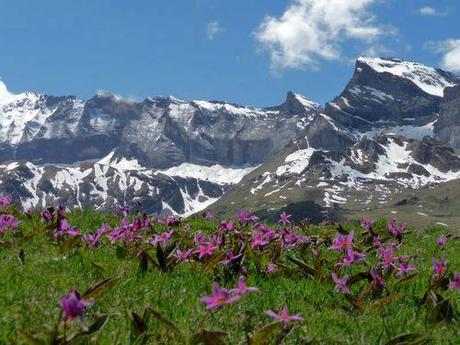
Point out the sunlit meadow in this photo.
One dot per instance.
(83, 277)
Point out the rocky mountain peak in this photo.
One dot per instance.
(298, 104)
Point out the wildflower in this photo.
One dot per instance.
(284, 316)
(162, 238)
(242, 288)
(351, 257)
(220, 296)
(404, 268)
(394, 229)
(199, 239)
(377, 279)
(342, 242)
(230, 258)
(208, 216)
(5, 200)
(7, 221)
(455, 282)
(341, 283)
(205, 250)
(226, 226)
(367, 223)
(94, 239)
(284, 219)
(73, 305)
(439, 266)
(441, 241)
(271, 267)
(183, 256)
(65, 229)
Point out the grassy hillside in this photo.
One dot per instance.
(146, 294)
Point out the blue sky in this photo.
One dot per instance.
(249, 52)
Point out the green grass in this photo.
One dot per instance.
(30, 292)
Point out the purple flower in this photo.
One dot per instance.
(404, 268)
(7, 221)
(208, 216)
(377, 279)
(455, 282)
(5, 200)
(367, 223)
(94, 240)
(242, 288)
(394, 229)
(341, 283)
(271, 267)
(200, 239)
(226, 226)
(205, 250)
(284, 316)
(284, 219)
(65, 229)
(183, 256)
(351, 257)
(73, 305)
(441, 241)
(439, 266)
(220, 296)
(230, 258)
(342, 242)
(162, 238)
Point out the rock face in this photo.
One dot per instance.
(447, 128)
(388, 92)
(370, 172)
(161, 132)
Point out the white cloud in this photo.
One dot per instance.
(451, 50)
(430, 11)
(213, 29)
(313, 30)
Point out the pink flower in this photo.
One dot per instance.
(230, 258)
(5, 200)
(342, 242)
(94, 240)
(395, 229)
(455, 283)
(367, 223)
(441, 241)
(284, 316)
(220, 296)
(284, 219)
(162, 238)
(7, 221)
(341, 283)
(271, 267)
(351, 257)
(208, 216)
(65, 229)
(226, 226)
(404, 268)
(205, 250)
(377, 279)
(439, 266)
(183, 256)
(242, 288)
(199, 239)
(73, 305)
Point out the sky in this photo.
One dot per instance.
(243, 51)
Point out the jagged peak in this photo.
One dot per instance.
(430, 80)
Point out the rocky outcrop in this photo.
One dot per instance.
(447, 128)
(390, 91)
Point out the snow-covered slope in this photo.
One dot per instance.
(428, 79)
(388, 92)
(114, 181)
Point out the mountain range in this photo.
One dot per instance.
(392, 134)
